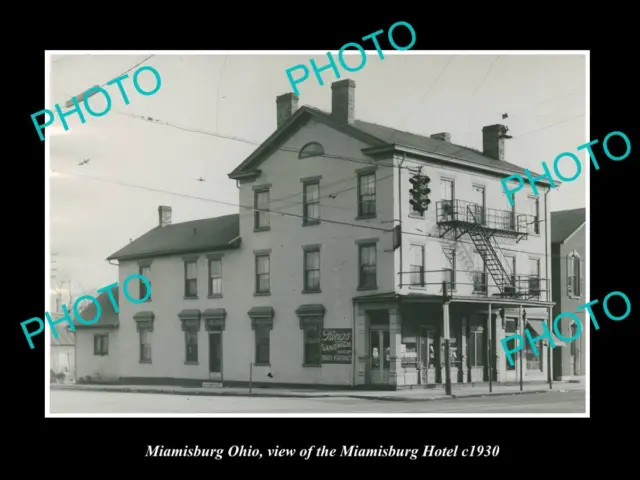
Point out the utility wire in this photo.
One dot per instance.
(429, 89)
(128, 70)
(252, 209)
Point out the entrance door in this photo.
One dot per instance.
(215, 355)
(427, 355)
(380, 356)
(511, 372)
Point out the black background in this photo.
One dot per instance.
(552, 446)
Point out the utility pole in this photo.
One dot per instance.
(550, 353)
(523, 318)
(489, 351)
(447, 333)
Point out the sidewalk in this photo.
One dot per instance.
(415, 395)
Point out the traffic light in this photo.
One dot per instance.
(420, 193)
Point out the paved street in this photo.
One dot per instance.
(68, 401)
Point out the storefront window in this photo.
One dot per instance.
(533, 362)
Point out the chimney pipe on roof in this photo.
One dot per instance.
(343, 100)
(164, 216)
(493, 137)
(286, 106)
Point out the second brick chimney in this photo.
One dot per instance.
(164, 216)
(493, 141)
(343, 100)
(286, 106)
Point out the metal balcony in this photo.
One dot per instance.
(459, 216)
(468, 283)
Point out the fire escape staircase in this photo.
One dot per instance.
(486, 250)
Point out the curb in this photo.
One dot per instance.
(387, 398)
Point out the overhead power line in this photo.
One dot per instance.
(253, 209)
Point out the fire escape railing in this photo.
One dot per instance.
(466, 283)
(459, 215)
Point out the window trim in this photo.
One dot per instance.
(311, 316)
(194, 332)
(535, 230)
(421, 272)
(256, 290)
(214, 258)
(302, 154)
(571, 259)
(140, 345)
(306, 221)
(141, 266)
(305, 336)
(364, 244)
(305, 250)
(484, 200)
(257, 190)
(100, 352)
(482, 270)
(186, 290)
(261, 328)
(360, 173)
(453, 265)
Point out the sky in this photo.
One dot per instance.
(137, 164)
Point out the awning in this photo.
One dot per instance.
(536, 326)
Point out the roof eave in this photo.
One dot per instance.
(235, 243)
(94, 326)
(399, 148)
(562, 242)
(347, 128)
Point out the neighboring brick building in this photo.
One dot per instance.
(568, 267)
(311, 283)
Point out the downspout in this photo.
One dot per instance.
(353, 336)
(404, 157)
(547, 225)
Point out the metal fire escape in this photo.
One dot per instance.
(482, 241)
(483, 227)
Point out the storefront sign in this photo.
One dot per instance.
(337, 345)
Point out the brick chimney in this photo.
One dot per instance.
(343, 100)
(493, 137)
(445, 136)
(287, 104)
(164, 216)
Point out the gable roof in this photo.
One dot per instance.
(65, 338)
(565, 222)
(216, 233)
(108, 318)
(376, 136)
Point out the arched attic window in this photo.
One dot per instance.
(311, 149)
